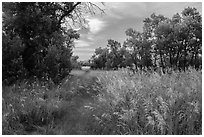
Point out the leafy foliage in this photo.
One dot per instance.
(75, 63)
(167, 43)
(32, 30)
(12, 63)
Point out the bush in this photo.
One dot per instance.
(12, 63)
(58, 63)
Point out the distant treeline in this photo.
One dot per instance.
(174, 43)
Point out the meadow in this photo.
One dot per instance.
(106, 103)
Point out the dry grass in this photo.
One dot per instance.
(111, 103)
(150, 103)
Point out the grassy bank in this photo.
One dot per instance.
(106, 103)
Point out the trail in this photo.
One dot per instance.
(84, 87)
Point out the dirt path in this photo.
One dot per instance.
(85, 88)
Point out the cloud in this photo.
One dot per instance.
(90, 37)
(83, 55)
(95, 25)
(119, 17)
(81, 43)
(84, 49)
(127, 9)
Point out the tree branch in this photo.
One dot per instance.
(68, 12)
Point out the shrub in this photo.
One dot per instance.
(12, 63)
(58, 63)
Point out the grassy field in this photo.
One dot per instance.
(106, 103)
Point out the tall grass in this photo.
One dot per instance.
(116, 102)
(33, 107)
(149, 103)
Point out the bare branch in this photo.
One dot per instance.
(78, 16)
(94, 5)
(66, 13)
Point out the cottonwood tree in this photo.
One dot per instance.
(165, 43)
(99, 59)
(140, 48)
(114, 57)
(149, 28)
(178, 40)
(75, 63)
(41, 27)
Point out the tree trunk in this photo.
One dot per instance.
(161, 59)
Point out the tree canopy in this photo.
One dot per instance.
(174, 43)
(37, 40)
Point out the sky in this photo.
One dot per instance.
(118, 17)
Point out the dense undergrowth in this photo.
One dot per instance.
(111, 103)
